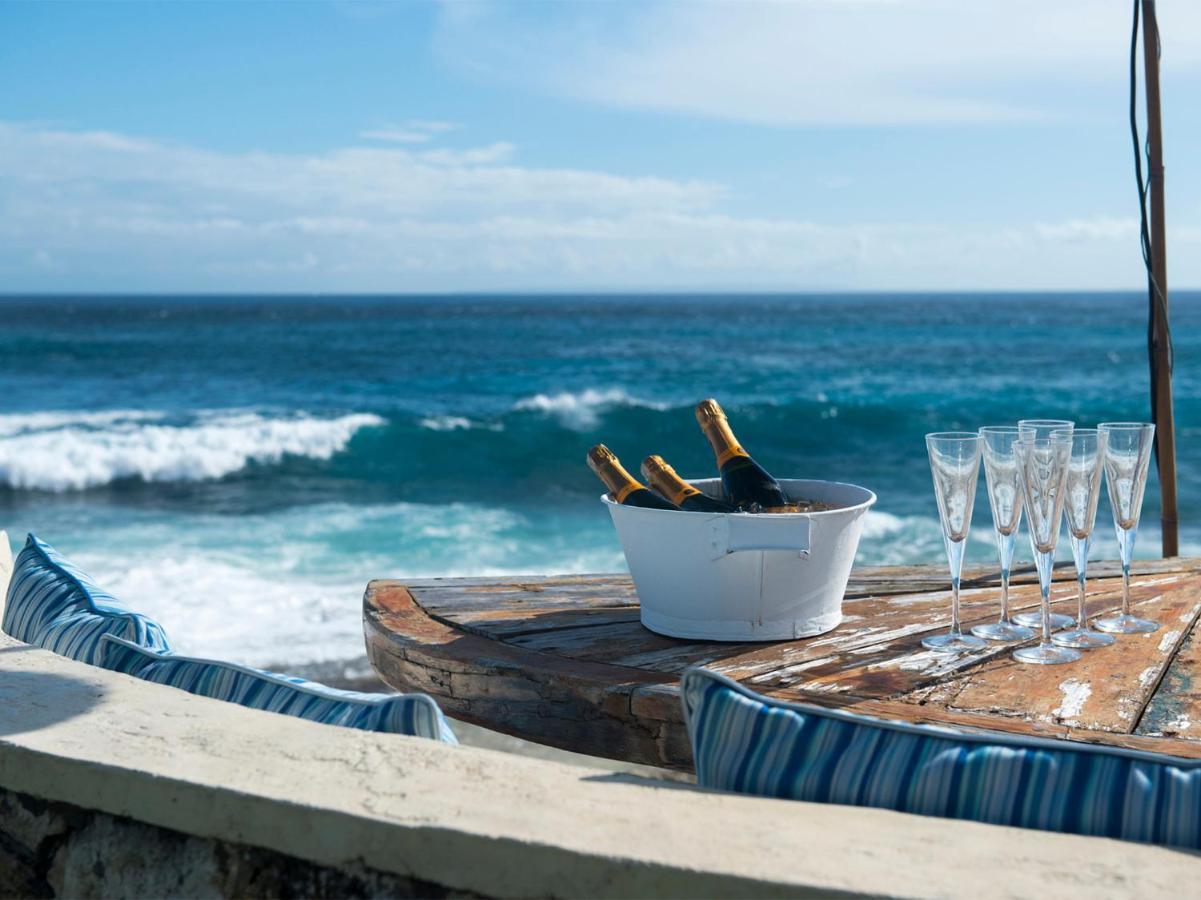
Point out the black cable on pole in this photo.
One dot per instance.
(1155, 297)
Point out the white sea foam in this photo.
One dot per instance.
(287, 588)
(73, 451)
(581, 410)
(23, 423)
(456, 423)
(880, 524)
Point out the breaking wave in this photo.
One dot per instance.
(75, 451)
(456, 423)
(580, 410)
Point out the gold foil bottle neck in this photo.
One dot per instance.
(715, 425)
(664, 479)
(608, 468)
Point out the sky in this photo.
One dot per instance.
(814, 145)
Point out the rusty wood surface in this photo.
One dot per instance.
(565, 661)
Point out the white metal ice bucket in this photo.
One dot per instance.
(742, 577)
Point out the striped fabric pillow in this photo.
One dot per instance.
(54, 605)
(412, 714)
(748, 743)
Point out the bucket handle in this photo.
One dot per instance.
(734, 532)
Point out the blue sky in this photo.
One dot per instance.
(409, 146)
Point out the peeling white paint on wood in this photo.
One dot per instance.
(1168, 641)
(1075, 694)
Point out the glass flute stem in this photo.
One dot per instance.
(1045, 561)
(1126, 552)
(1125, 588)
(1126, 622)
(955, 559)
(1005, 544)
(1080, 548)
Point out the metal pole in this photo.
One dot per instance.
(1161, 371)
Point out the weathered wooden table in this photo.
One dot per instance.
(564, 660)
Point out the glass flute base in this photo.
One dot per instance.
(1082, 639)
(1046, 655)
(1003, 631)
(952, 643)
(1034, 619)
(1125, 625)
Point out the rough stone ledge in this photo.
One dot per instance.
(465, 820)
(50, 849)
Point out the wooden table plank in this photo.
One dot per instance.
(564, 660)
(1105, 690)
(899, 664)
(566, 703)
(1175, 709)
(619, 638)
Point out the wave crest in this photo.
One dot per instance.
(456, 423)
(581, 410)
(74, 451)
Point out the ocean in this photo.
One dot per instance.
(240, 467)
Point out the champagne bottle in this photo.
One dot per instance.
(746, 483)
(623, 487)
(663, 478)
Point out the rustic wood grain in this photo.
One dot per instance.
(1103, 691)
(564, 660)
(1175, 709)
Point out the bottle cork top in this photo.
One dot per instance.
(664, 479)
(709, 411)
(601, 457)
(655, 463)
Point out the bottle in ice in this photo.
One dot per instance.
(663, 478)
(623, 487)
(746, 483)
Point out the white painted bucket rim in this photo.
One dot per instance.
(868, 502)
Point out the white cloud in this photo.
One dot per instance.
(396, 135)
(1100, 228)
(415, 131)
(103, 211)
(818, 62)
(493, 153)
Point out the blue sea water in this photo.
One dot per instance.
(242, 466)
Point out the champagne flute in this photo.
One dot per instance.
(1043, 428)
(955, 465)
(1005, 499)
(1127, 455)
(1080, 504)
(1043, 468)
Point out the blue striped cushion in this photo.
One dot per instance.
(412, 714)
(54, 605)
(752, 744)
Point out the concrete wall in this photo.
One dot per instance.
(116, 787)
(50, 849)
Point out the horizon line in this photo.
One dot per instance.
(583, 292)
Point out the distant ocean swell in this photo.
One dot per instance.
(76, 450)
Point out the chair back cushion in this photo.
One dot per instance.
(54, 605)
(412, 714)
(6, 568)
(752, 744)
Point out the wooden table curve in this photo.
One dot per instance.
(564, 660)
